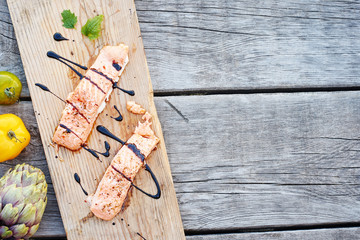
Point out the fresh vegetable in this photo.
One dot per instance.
(69, 19)
(14, 136)
(22, 201)
(10, 88)
(92, 28)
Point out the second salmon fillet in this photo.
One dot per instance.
(88, 99)
(113, 188)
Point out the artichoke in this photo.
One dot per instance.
(22, 201)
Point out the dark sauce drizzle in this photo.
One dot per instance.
(95, 153)
(87, 78)
(54, 55)
(78, 111)
(58, 37)
(106, 132)
(46, 89)
(141, 236)
(43, 87)
(102, 74)
(68, 130)
(116, 66)
(77, 179)
(136, 151)
(92, 151)
(119, 118)
(147, 168)
(130, 92)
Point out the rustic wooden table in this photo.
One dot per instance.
(260, 107)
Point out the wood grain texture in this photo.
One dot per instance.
(264, 160)
(9, 52)
(219, 45)
(284, 159)
(319, 234)
(35, 22)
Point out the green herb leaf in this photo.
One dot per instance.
(69, 19)
(92, 27)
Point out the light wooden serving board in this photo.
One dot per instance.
(35, 22)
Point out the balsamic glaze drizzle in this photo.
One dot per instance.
(136, 151)
(87, 78)
(131, 146)
(58, 37)
(116, 66)
(68, 130)
(87, 120)
(92, 151)
(43, 87)
(46, 89)
(141, 236)
(147, 168)
(119, 118)
(106, 132)
(130, 92)
(102, 74)
(95, 153)
(54, 55)
(77, 179)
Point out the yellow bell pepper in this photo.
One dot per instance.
(14, 136)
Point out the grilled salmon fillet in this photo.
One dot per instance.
(88, 99)
(113, 188)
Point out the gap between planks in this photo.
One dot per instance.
(243, 91)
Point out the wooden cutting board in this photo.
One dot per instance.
(35, 22)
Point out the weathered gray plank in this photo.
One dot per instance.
(264, 160)
(212, 45)
(319, 234)
(250, 44)
(258, 160)
(9, 52)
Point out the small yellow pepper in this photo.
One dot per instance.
(14, 136)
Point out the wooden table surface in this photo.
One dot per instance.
(260, 107)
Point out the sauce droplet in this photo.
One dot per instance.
(92, 152)
(106, 132)
(46, 89)
(130, 92)
(95, 153)
(58, 37)
(116, 66)
(119, 118)
(77, 179)
(141, 236)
